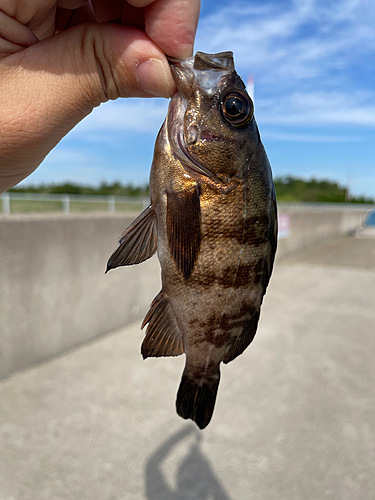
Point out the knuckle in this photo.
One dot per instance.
(102, 67)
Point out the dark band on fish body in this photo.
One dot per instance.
(253, 230)
(215, 329)
(238, 344)
(231, 276)
(184, 228)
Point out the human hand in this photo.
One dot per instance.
(61, 58)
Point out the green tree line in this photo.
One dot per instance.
(288, 188)
(104, 189)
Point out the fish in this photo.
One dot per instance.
(212, 221)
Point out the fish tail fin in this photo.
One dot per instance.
(196, 397)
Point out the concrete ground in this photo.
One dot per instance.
(294, 419)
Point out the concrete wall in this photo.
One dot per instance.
(53, 291)
(309, 223)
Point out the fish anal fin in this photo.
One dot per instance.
(245, 338)
(163, 336)
(137, 243)
(184, 228)
(196, 398)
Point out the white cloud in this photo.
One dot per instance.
(68, 164)
(319, 108)
(304, 56)
(123, 115)
(304, 39)
(299, 52)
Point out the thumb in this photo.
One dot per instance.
(49, 87)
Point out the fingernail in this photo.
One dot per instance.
(154, 79)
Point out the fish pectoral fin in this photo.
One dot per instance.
(245, 338)
(137, 243)
(196, 398)
(184, 228)
(163, 335)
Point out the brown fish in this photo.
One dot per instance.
(213, 222)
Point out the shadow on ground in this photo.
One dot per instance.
(195, 478)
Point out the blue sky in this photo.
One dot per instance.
(314, 67)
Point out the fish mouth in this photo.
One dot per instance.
(207, 137)
(205, 71)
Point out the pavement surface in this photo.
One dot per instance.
(294, 419)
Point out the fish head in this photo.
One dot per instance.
(211, 123)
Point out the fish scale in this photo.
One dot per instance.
(212, 221)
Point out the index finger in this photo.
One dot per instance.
(171, 24)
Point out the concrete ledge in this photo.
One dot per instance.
(310, 223)
(53, 291)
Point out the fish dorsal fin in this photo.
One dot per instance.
(245, 338)
(184, 228)
(163, 336)
(137, 243)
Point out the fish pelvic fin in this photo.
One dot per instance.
(196, 398)
(245, 338)
(163, 335)
(137, 243)
(184, 228)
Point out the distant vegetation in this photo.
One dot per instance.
(293, 189)
(288, 188)
(105, 189)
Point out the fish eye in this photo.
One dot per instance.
(237, 108)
